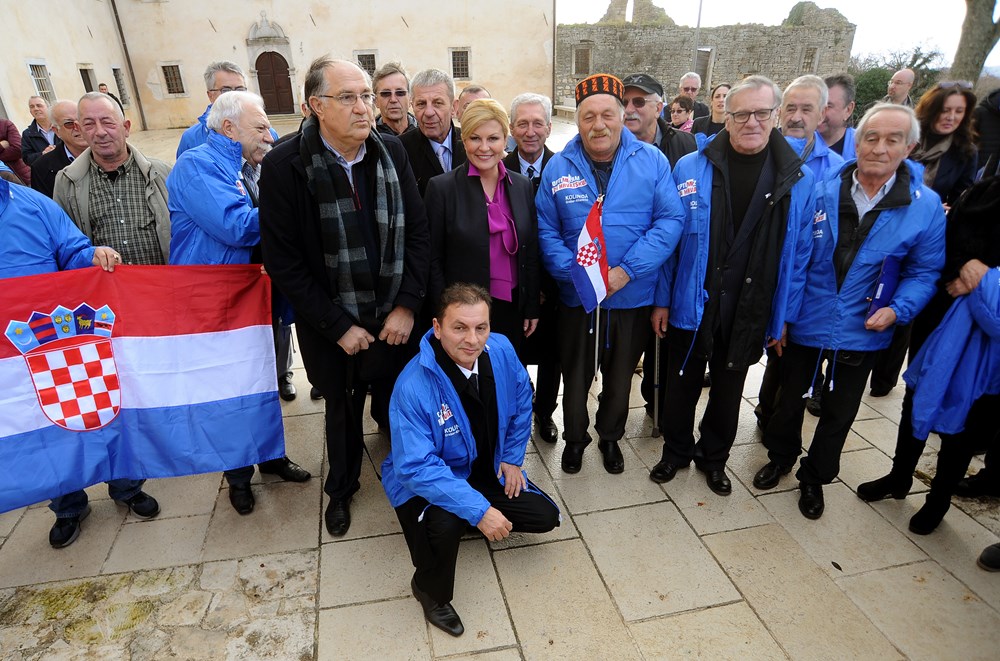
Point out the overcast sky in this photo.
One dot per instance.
(883, 25)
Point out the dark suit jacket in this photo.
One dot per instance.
(513, 164)
(293, 253)
(700, 110)
(45, 168)
(460, 237)
(424, 162)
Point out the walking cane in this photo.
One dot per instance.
(656, 391)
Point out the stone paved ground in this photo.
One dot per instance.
(637, 570)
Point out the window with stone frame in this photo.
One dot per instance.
(43, 85)
(123, 94)
(172, 78)
(460, 69)
(581, 61)
(366, 60)
(809, 60)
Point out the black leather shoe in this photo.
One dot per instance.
(880, 391)
(286, 390)
(142, 505)
(338, 517)
(989, 559)
(769, 476)
(443, 616)
(314, 393)
(883, 487)
(929, 517)
(572, 457)
(811, 500)
(814, 407)
(718, 482)
(614, 462)
(547, 429)
(977, 485)
(663, 471)
(286, 469)
(241, 498)
(65, 531)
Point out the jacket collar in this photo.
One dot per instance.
(787, 164)
(80, 167)
(226, 146)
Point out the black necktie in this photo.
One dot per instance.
(250, 175)
(531, 172)
(474, 382)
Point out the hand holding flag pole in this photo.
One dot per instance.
(590, 272)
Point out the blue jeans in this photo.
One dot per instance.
(73, 504)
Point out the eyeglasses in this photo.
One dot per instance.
(678, 111)
(225, 89)
(638, 102)
(689, 89)
(350, 98)
(742, 117)
(68, 123)
(385, 94)
(950, 84)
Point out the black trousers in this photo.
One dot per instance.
(957, 450)
(684, 383)
(622, 335)
(432, 533)
(889, 362)
(839, 406)
(547, 388)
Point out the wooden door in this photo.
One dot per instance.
(275, 84)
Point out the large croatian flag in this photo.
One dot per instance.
(590, 273)
(150, 371)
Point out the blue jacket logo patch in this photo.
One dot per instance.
(443, 415)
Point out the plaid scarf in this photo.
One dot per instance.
(367, 299)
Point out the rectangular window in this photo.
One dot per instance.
(703, 65)
(460, 64)
(43, 86)
(172, 77)
(581, 61)
(809, 60)
(87, 75)
(367, 62)
(122, 87)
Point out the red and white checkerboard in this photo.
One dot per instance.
(77, 385)
(587, 255)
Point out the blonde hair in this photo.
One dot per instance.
(481, 111)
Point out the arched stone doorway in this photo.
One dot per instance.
(274, 83)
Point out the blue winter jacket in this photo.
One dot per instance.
(849, 153)
(212, 220)
(37, 235)
(832, 319)
(197, 133)
(822, 160)
(432, 443)
(681, 286)
(642, 217)
(959, 362)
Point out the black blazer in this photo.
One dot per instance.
(293, 253)
(46, 167)
(424, 162)
(460, 237)
(513, 164)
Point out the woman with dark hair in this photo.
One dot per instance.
(680, 110)
(716, 120)
(947, 147)
(484, 228)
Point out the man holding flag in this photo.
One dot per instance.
(608, 218)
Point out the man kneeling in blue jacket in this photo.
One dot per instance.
(460, 416)
(876, 213)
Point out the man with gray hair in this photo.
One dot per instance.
(213, 211)
(392, 91)
(689, 86)
(735, 280)
(71, 144)
(435, 147)
(220, 77)
(469, 94)
(875, 217)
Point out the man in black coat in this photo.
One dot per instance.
(530, 126)
(40, 137)
(436, 146)
(71, 144)
(689, 86)
(345, 238)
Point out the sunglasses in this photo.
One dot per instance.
(386, 94)
(638, 102)
(689, 89)
(951, 84)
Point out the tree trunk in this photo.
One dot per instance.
(979, 36)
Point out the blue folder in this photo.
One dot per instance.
(885, 286)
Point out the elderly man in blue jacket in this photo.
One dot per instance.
(606, 169)
(736, 278)
(875, 219)
(214, 219)
(461, 419)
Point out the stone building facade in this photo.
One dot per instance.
(810, 40)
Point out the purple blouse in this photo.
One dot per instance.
(503, 238)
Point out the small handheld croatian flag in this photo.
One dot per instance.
(590, 274)
(150, 371)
